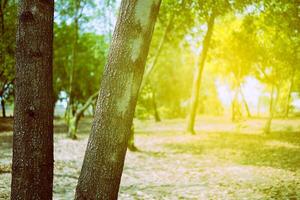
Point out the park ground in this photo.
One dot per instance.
(224, 160)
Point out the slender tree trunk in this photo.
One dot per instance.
(235, 107)
(3, 107)
(32, 167)
(198, 75)
(104, 159)
(73, 124)
(70, 110)
(271, 111)
(159, 50)
(155, 110)
(245, 103)
(131, 145)
(288, 102)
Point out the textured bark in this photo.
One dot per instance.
(146, 79)
(32, 168)
(104, 159)
(198, 75)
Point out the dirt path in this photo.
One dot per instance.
(173, 165)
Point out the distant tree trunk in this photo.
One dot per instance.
(3, 107)
(73, 123)
(271, 111)
(288, 102)
(198, 75)
(159, 50)
(235, 107)
(32, 165)
(70, 107)
(155, 110)
(245, 102)
(131, 145)
(104, 159)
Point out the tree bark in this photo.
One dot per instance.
(32, 167)
(104, 159)
(198, 75)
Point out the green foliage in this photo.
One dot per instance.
(91, 52)
(7, 47)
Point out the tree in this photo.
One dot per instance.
(32, 168)
(104, 159)
(77, 52)
(198, 75)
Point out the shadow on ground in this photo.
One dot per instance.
(277, 149)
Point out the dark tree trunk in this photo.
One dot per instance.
(3, 107)
(198, 75)
(104, 159)
(32, 167)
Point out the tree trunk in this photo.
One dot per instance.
(288, 101)
(159, 50)
(245, 102)
(148, 73)
(70, 110)
(131, 146)
(32, 167)
(3, 107)
(235, 114)
(104, 159)
(271, 111)
(198, 75)
(155, 110)
(73, 123)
